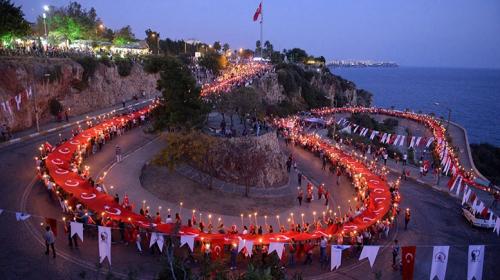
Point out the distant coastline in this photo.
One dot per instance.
(361, 64)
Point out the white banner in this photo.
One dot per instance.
(475, 262)
(104, 243)
(373, 134)
(276, 247)
(388, 138)
(369, 252)
(189, 240)
(397, 140)
(439, 262)
(336, 256)
(22, 216)
(157, 238)
(77, 228)
(246, 244)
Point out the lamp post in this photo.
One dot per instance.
(449, 114)
(44, 15)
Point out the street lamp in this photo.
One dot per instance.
(154, 35)
(44, 15)
(449, 114)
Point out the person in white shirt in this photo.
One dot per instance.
(168, 220)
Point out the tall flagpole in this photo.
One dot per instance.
(261, 28)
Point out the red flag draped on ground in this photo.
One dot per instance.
(408, 259)
(257, 12)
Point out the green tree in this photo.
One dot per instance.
(258, 47)
(213, 61)
(123, 36)
(247, 103)
(268, 48)
(152, 38)
(217, 46)
(70, 22)
(182, 107)
(225, 47)
(297, 55)
(12, 22)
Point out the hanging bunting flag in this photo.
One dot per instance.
(277, 247)
(497, 226)
(439, 262)
(466, 196)
(397, 140)
(417, 142)
(157, 238)
(408, 259)
(402, 140)
(21, 216)
(475, 263)
(336, 256)
(429, 142)
(355, 129)
(459, 186)
(189, 240)
(384, 137)
(373, 134)
(77, 228)
(217, 248)
(245, 244)
(369, 252)
(412, 141)
(104, 243)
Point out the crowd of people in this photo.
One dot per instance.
(236, 75)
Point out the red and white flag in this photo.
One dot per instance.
(258, 12)
(408, 262)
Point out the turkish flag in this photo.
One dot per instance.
(217, 249)
(257, 12)
(408, 259)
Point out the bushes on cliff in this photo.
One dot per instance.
(124, 66)
(55, 107)
(89, 65)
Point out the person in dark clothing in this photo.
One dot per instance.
(299, 178)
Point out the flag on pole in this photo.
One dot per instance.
(475, 264)
(258, 12)
(369, 252)
(439, 262)
(408, 254)
(104, 243)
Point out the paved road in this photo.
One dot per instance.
(435, 221)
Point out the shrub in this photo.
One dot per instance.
(55, 107)
(89, 65)
(124, 66)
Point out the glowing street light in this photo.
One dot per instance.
(46, 8)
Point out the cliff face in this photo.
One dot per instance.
(309, 88)
(67, 83)
(253, 161)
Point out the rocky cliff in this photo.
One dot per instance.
(67, 81)
(307, 88)
(253, 161)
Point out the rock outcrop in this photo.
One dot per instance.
(249, 161)
(68, 84)
(306, 88)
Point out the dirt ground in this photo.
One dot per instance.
(173, 187)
